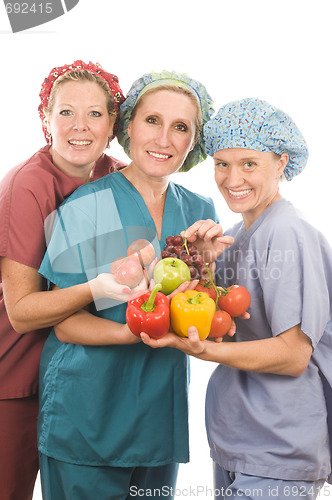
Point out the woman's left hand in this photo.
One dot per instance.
(208, 238)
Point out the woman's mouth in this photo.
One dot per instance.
(239, 194)
(160, 156)
(73, 142)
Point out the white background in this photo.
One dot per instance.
(277, 51)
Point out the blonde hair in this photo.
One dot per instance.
(81, 76)
(178, 90)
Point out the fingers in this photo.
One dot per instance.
(192, 284)
(226, 240)
(151, 267)
(196, 345)
(186, 285)
(193, 334)
(138, 293)
(148, 340)
(191, 345)
(165, 341)
(143, 285)
(203, 229)
(232, 329)
(152, 284)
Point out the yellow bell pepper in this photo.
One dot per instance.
(192, 308)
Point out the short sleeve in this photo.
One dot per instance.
(22, 225)
(294, 280)
(81, 238)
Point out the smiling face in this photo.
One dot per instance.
(249, 180)
(80, 125)
(162, 133)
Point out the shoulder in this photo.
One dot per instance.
(29, 169)
(114, 163)
(284, 219)
(89, 195)
(31, 180)
(285, 229)
(105, 165)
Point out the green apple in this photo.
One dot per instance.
(170, 273)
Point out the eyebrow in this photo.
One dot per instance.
(159, 113)
(248, 158)
(71, 105)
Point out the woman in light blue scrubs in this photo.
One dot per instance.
(266, 405)
(113, 418)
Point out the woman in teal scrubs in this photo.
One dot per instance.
(113, 418)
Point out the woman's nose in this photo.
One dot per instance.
(162, 138)
(80, 123)
(234, 177)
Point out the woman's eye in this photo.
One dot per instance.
(151, 120)
(182, 127)
(221, 164)
(249, 164)
(65, 112)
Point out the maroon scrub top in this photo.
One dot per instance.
(28, 194)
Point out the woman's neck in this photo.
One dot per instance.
(152, 189)
(83, 172)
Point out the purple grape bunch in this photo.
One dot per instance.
(179, 248)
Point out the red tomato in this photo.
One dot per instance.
(236, 301)
(221, 324)
(206, 287)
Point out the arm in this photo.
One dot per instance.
(86, 329)
(29, 308)
(287, 354)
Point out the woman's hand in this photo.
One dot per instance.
(208, 238)
(186, 285)
(105, 286)
(191, 345)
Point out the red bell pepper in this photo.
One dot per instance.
(149, 313)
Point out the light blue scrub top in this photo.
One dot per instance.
(263, 424)
(114, 405)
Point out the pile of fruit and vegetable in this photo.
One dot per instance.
(209, 308)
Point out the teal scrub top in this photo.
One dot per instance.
(113, 405)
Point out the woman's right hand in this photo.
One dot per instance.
(105, 286)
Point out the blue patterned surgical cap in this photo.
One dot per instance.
(255, 124)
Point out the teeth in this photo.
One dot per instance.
(159, 155)
(239, 193)
(80, 143)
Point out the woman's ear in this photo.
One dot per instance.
(112, 123)
(47, 124)
(129, 129)
(284, 159)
